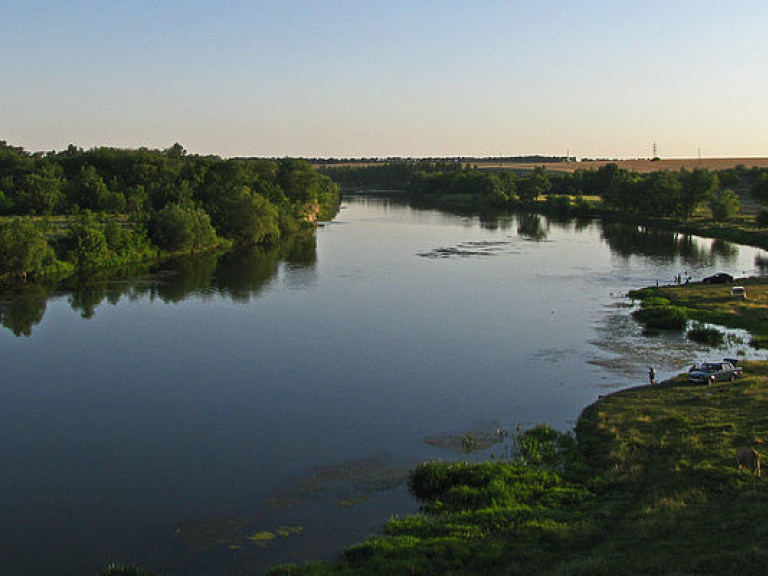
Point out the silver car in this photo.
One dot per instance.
(710, 372)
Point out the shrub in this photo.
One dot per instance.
(662, 317)
(706, 335)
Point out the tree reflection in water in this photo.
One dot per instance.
(239, 275)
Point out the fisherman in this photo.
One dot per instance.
(651, 375)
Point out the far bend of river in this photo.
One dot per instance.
(246, 410)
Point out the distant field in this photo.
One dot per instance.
(637, 165)
(640, 165)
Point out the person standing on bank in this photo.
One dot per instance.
(651, 375)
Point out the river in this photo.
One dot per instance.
(229, 412)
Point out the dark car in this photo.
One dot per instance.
(719, 278)
(710, 372)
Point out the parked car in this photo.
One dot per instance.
(710, 372)
(719, 278)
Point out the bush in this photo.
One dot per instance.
(662, 317)
(705, 335)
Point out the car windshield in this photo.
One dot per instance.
(710, 367)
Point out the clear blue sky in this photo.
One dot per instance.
(395, 78)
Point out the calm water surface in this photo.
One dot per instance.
(245, 410)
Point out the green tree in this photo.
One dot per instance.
(535, 185)
(88, 191)
(88, 248)
(660, 194)
(24, 248)
(697, 187)
(246, 217)
(724, 205)
(760, 188)
(180, 227)
(42, 192)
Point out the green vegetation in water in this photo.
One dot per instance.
(706, 335)
(347, 483)
(480, 437)
(209, 534)
(658, 314)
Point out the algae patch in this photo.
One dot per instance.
(480, 437)
(468, 250)
(207, 534)
(347, 483)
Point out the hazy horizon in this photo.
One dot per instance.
(343, 79)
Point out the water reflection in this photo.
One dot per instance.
(238, 275)
(761, 263)
(628, 240)
(23, 307)
(530, 226)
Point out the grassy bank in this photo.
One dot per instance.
(714, 304)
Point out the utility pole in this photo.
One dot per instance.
(655, 152)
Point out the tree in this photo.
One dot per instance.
(246, 217)
(23, 247)
(698, 186)
(299, 181)
(180, 227)
(724, 205)
(42, 192)
(533, 186)
(760, 188)
(88, 247)
(660, 194)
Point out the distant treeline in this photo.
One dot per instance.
(662, 193)
(532, 159)
(123, 205)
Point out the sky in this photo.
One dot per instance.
(344, 78)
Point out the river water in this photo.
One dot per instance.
(234, 411)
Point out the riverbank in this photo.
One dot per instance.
(648, 484)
